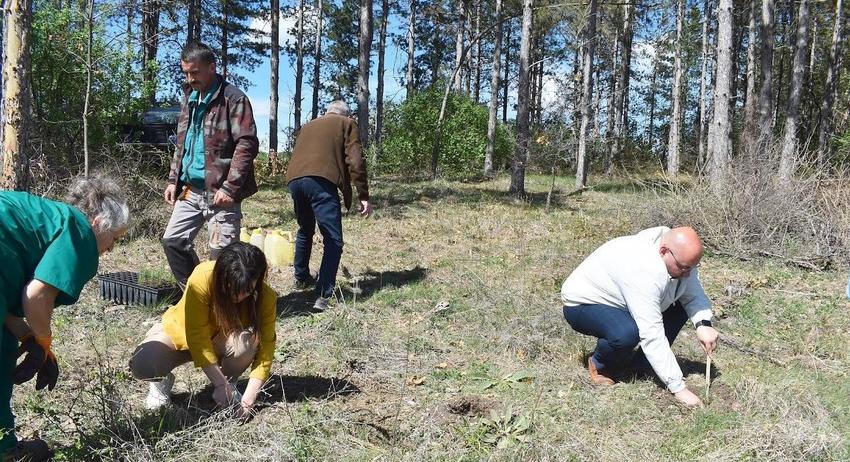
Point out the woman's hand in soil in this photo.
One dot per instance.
(688, 398)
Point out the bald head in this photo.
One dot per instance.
(681, 249)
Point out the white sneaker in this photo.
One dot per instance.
(321, 304)
(159, 393)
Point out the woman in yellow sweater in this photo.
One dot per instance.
(224, 322)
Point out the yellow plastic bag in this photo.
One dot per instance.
(280, 248)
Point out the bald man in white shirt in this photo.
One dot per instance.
(640, 290)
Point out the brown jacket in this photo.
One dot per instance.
(230, 142)
(329, 147)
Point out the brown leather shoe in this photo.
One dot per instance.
(598, 377)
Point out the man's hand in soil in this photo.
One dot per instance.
(39, 360)
(707, 337)
(688, 398)
(365, 209)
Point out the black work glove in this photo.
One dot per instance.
(39, 360)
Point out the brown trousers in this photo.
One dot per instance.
(156, 356)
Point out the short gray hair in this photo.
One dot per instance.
(338, 107)
(100, 197)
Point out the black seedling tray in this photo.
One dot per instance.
(124, 288)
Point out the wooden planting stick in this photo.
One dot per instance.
(707, 375)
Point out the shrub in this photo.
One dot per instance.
(410, 133)
(804, 221)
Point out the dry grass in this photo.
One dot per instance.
(447, 293)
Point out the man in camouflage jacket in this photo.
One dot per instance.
(213, 166)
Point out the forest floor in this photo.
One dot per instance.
(447, 342)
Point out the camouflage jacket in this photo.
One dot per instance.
(230, 143)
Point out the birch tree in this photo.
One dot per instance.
(363, 75)
(494, 94)
(16, 103)
(676, 116)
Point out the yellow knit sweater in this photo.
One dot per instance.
(191, 327)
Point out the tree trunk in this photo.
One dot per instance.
(706, 14)
(317, 61)
(299, 62)
(541, 49)
(461, 23)
(597, 98)
(517, 188)
(274, 77)
(825, 120)
(621, 116)
(676, 117)
(17, 103)
(476, 89)
(505, 81)
(609, 117)
(150, 45)
(768, 23)
(379, 97)
(721, 127)
(193, 24)
(411, 49)
(129, 48)
(363, 76)
(87, 100)
(750, 96)
(788, 160)
(586, 93)
(225, 39)
(494, 94)
(653, 88)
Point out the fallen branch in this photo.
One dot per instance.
(735, 345)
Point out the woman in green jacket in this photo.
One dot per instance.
(49, 251)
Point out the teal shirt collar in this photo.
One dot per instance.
(195, 95)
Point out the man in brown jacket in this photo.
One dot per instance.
(327, 156)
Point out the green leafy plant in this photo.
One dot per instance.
(506, 430)
(410, 134)
(507, 381)
(155, 277)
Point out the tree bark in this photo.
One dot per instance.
(225, 39)
(274, 77)
(825, 119)
(476, 88)
(750, 96)
(706, 14)
(317, 61)
(768, 24)
(379, 96)
(788, 159)
(621, 117)
(517, 188)
(299, 62)
(363, 76)
(609, 117)
(461, 23)
(193, 24)
(676, 116)
(87, 100)
(586, 93)
(411, 48)
(17, 104)
(653, 89)
(721, 146)
(505, 81)
(150, 44)
(494, 94)
(541, 53)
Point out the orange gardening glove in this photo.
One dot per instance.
(39, 360)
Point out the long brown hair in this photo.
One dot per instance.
(240, 268)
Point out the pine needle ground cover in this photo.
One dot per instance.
(446, 342)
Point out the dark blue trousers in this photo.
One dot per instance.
(617, 332)
(316, 201)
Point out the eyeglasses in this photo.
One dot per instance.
(682, 267)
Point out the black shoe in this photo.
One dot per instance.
(308, 283)
(35, 450)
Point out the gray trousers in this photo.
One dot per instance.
(190, 213)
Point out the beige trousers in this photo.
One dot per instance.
(156, 356)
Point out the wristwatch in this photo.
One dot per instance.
(704, 322)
